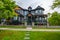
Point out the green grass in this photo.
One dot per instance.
(43, 27)
(45, 36)
(22, 26)
(12, 35)
(12, 26)
(19, 35)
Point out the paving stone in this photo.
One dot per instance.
(27, 34)
(29, 28)
(27, 38)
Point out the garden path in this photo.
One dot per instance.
(29, 29)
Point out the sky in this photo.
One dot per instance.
(46, 4)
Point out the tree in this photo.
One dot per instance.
(7, 8)
(54, 19)
(49, 14)
(56, 4)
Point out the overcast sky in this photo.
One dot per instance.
(46, 4)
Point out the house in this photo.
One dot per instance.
(31, 16)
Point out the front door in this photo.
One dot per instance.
(29, 19)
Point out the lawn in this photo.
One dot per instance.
(12, 26)
(45, 36)
(45, 27)
(20, 35)
(12, 35)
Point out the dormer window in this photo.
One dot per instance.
(29, 8)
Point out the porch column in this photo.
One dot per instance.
(25, 23)
(37, 19)
(47, 22)
(25, 20)
(32, 23)
(33, 20)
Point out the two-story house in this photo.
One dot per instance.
(30, 16)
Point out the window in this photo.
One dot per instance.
(43, 18)
(39, 11)
(25, 12)
(29, 9)
(21, 11)
(15, 18)
(18, 11)
(32, 12)
(36, 11)
(40, 18)
(18, 18)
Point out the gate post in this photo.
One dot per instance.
(25, 23)
(32, 23)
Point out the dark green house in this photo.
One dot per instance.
(31, 16)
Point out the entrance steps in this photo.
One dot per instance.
(29, 27)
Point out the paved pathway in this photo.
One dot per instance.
(18, 29)
(27, 36)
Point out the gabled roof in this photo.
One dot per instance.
(17, 8)
(39, 7)
(30, 7)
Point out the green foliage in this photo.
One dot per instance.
(56, 4)
(7, 8)
(54, 19)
